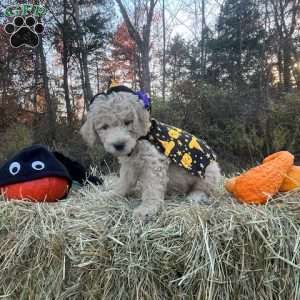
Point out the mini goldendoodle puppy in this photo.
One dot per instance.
(163, 158)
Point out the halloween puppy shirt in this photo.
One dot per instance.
(183, 148)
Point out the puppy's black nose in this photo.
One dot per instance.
(119, 146)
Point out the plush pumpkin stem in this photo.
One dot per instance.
(259, 184)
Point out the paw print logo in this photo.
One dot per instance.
(24, 32)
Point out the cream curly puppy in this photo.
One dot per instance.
(161, 157)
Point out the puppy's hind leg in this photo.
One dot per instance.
(203, 189)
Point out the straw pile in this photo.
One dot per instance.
(88, 247)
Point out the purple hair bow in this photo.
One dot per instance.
(145, 99)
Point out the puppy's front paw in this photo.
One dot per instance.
(144, 213)
(110, 195)
(199, 198)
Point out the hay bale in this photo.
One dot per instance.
(88, 247)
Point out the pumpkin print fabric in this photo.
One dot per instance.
(181, 147)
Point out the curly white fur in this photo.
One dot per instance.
(118, 121)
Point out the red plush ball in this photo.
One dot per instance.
(47, 189)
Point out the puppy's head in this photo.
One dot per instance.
(117, 120)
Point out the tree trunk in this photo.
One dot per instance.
(50, 109)
(98, 76)
(65, 64)
(238, 69)
(36, 79)
(4, 92)
(66, 86)
(203, 40)
(286, 66)
(84, 59)
(285, 19)
(5, 81)
(146, 77)
(280, 68)
(142, 41)
(164, 52)
(296, 69)
(136, 58)
(139, 68)
(89, 93)
(82, 78)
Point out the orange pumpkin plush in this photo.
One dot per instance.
(34, 174)
(259, 184)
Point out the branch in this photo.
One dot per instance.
(54, 15)
(147, 30)
(131, 30)
(279, 26)
(295, 10)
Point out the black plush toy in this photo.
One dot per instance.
(76, 170)
(39, 175)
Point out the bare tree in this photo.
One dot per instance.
(50, 109)
(82, 55)
(164, 51)
(142, 40)
(203, 39)
(65, 64)
(63, 32)
(285, 18)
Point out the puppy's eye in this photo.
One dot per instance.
(104, 127)
(128, 122)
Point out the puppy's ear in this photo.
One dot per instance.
(143, 119)
(88, 132)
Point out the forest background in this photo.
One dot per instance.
(225, 70)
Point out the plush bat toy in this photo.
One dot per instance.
(38, 175)
(76, 170)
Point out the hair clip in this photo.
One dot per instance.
(145, 99)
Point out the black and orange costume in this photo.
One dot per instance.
(181, 147)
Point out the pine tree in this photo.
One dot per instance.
(177, 59)
(238, 47)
